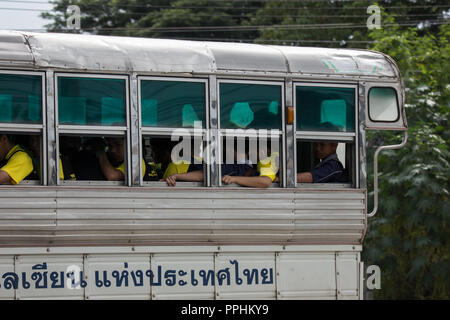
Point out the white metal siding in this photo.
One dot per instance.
(296, 272)
(115, 216)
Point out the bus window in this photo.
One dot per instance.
(92, 158)
(245, 105)
(92, 128)
(20, 158)
(317, 107)
(172, 104)
(20, 98)
(164, 158)
(325, 134)
(250, 127)
(173, 118)
(91, 101)
(21, 127)
(250, 161)
(325, 161)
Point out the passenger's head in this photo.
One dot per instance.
(116, 149)
(34, 143)
(161, 150)
(325, 148)
(6, 144)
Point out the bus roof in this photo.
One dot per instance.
(149, 55)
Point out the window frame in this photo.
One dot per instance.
(343, 137)
(40, 129)
(167, 131)
(222, 132)
(95, 130)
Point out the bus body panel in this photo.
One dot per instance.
(181, 272)
(123, 216)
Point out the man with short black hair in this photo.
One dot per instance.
(15, 163)
(329, 169)
(112, 163)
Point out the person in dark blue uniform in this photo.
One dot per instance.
(329, 169)
(195, 171)
(196, 174)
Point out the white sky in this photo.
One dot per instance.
(24, 14)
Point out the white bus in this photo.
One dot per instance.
(77, 235)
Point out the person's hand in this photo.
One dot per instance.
(228, 179)
(172, 180)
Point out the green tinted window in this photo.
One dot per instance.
(325, 109)
(20, 99)
(91, 101)
(172, 103)
(252, 106)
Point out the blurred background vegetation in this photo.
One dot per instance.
(409, 236)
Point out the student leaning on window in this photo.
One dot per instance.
(15, 163)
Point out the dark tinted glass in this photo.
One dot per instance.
(91, 101)
(20, 99)
(254, 106)
(172, 103)
(325, 109)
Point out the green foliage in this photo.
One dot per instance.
(188, 18)
(336, 23)
(310, 22)
(409, 237)
(157, 18)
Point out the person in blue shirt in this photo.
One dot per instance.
(196, 175)
(195, 172)
(329, 169)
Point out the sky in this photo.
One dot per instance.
(23, 14)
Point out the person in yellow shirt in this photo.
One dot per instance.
(65, 171)
(15, 163)
(116, 155)
(267, 169)
(176, 167)
(182, 166)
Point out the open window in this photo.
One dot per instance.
(173, 124)
(326, 139)
(92, 159)
(250, 130)
(309, 161)
(22, 119)
(92, 127)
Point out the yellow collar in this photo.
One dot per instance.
(13, 149)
